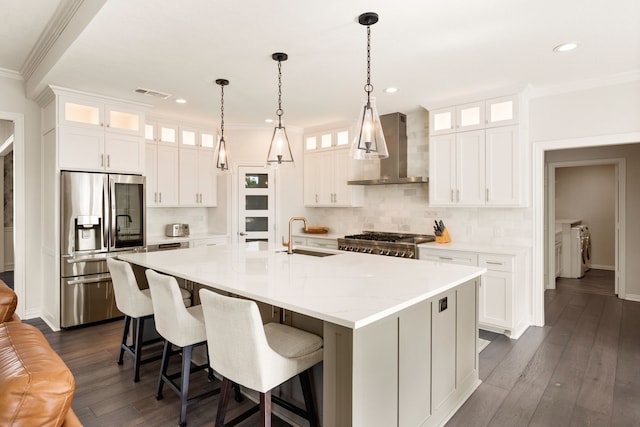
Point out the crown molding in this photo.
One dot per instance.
(56, 25)
(576, 86)
(10, 74)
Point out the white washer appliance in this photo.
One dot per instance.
(579, 252)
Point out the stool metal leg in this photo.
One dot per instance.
(137, 348)
(184, 386)
(223, 401)
(265, 409)
(163, 368)
(309, 401)
(125, 335)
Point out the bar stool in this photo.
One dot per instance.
(135, 304)
(257, 356)
(181, 327)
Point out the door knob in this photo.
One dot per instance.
(242, 233)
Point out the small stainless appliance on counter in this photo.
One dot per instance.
(101, 215)
(403, 245)
(176, 230)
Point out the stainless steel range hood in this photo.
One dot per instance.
(393, 170)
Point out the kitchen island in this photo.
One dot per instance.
(400, 336)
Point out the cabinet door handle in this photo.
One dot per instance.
(160, 198)
(101, 160)
(458, 195)
(494, 262)
(452, 195)
(108, 161)
(486, 197)
(446, 258)
(155, 197)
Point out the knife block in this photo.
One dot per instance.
(444, 238)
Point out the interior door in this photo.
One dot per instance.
(256, 204)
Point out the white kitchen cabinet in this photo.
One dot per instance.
(95, 134)
(192, 137)
(198, 180)
(496, 291)
(315, 242)
(501, 308)
(161, 132)
(162, 175)
(457, 169)
(208, 241)
(98, 113)
(488, 113)
(326, 173)
(480, 167)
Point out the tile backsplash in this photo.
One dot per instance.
(158, 218)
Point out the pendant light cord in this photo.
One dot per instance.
(222, 112)
(368, 87)
(279, 111)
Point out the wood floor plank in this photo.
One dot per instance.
(510, 368)
(596, 393)
(558, 401)
(494, 354)
(626, 392)
(521, 402)
(480, 407)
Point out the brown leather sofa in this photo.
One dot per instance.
(36, 387)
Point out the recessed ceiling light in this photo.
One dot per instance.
(391, 90)
(268, 120)
(565, 47)
(181, 101)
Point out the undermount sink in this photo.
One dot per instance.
(311, 253)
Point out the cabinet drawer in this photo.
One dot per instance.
(322, 243)
(496, 262)
(452, 257)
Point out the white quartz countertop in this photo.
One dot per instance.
(348, 289)
(158, 240)
(486, 248)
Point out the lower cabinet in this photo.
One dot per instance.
(501, 308)
(315, 242)
(209, 241)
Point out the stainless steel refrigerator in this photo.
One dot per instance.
(101, 215)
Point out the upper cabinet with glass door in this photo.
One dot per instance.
(192, 137)
(96, 113)
(495, 112)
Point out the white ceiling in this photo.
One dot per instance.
(431, 50)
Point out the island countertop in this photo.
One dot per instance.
(347, 289)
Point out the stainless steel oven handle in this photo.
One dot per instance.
(92, 279)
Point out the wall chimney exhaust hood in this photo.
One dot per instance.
(393, 170)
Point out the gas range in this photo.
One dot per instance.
(403, 245)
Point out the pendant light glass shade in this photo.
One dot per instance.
(222, 155)
(368, 142)
(280, 149)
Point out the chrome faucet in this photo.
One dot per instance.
(291, 220)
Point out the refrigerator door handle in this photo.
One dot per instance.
(106, 213)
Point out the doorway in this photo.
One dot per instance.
(593, 195)
(19, 208)
(256, 204)
(7, 138)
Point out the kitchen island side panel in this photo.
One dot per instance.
(395, 368)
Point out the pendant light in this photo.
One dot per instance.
(222, 155)
(279, 150)
(369, 142)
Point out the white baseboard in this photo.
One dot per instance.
(603, 267)
(633, 297)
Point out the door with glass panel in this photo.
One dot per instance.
(256, 204)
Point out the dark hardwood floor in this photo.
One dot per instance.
(580, 369)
